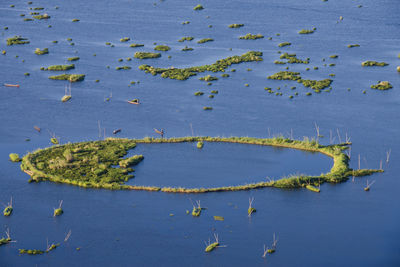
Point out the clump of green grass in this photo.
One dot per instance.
(383, 85)
(304, 31)
(60, 67)
(132, 161)
(219, 218)
(31, 251)
(17, 40)
(136, 45)
(370, 63)
(59, 211)
(235, 26)
(41, 52)
(292, 59)
(196, 209)
(208, 78)
(8, 209)
(73, 58)
(284, 44)
(75, 20)
(333, 56)
(44, 16)
(205, 40)
(69, 77)
(7, 239)
(198, 93)
(251, 210)
(295, 76)
(353, 45)
(219, 66)
(198, 7)
(162, 48)
(145, 55)
(14, 157)
(211, 246)
(66, 98)
(250, 36)
(207, 108)
(187, 38)
(187, 49)
(200, 145)
(124, 39)
(123, 68)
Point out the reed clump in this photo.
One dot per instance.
(38, 51)
(205, 40)
(235, 26)
(250, 36)
(69, 77)
(146, 55)
(383, 85)
(162, 48)
(60, 67)
(14, 157)
(17, 40)
(370, 63)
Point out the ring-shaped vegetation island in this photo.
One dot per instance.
(100, 164)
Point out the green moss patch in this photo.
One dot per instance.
(146, 55)
(125, 39)
(69, 77)
(136, 45)
(250, 36)
(17, 40)
(198, 7)
(370, 63)
(295, 76)
(205, 40)
(44, 16)
(292, 59)
(235, 26)
(73, 58)
(304, 31)
(384, 85)
(219, 66)
(60, 67)
(92, 164)
(162, 48)
(284, 44)
(187, 38)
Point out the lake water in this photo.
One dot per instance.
(341, 226)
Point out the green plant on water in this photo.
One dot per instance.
(38, 8)
(332, 65)
(54, 140)
(75, 20)
(251, 210)
(214, 92)
(333, 56)
(28, 19)
(69, 77)
(123, 68)
(162, 48)
(353, 45)
(186, 48)
(382, 85)
(3, 52)
(225, 75)
(44, 16)
(6, 240)
(187, 38)
(132, 161)
(236, 26)
(219, 218)
(208, 78)
(219, 66)
(93, 161)
(14, 157)
(73, 58)
(59, 210)
(198, 93)
(31, 251)
(185, 22)
(284, 44)
(305, 31)
(207, 108)
(198, 7)
(200, 145)
(124, 39)
(145, 55)
(250, 36)
(196, 209)
(60, 67)
(295, 76)
(279, 62)
(8, 209)
(65, 98)
(292, 59)
(272, 249)
(136, 45)
(370, 63)
(205, 40)
(17, 40)
(313, 188)
(211, 246)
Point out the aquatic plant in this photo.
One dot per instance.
(41, 52)
(145, 55)
(187, 49)
(93, 161)
(353, 45)
(123, 68)
(31, 251)
(251, 210)
(383, 85)
(207, 108)
(208, 78)
(219, 218)
(136, 45)
(198, 93)
(69, 77)
(198, 7)
(17, 40)
(200, 145)
(14, 157)
(219, 66)
(304, 31)
(44, 16)
(132, 161)
(205, 40)
(59, 210)
(292, 59)
(211, 246)
(73, 58)
(75, 20)
(65, 98)
(8, 209)
(162, 48)
(370, 63)
(196, 209)
(295, 76)
(6, 240)
(60, 67)
(236, 25)
(368, 185)
(125, 39)
(284, 44)
(187, 38)
(250, 36)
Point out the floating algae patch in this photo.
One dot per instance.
(198, 7)
(371, 63)
(284, 44)
(292, 59)
(383, 85)
(136, 45)
(17, 40)
(90, 164)
(60, 67)
(317, 85)
(205, 40)
(235, 26)
(162, 48)
(187, 38)
(44, 51)
(69, 77)
(44, 16)
(250, 36)
(73, 58)
(219, 66)
(305, 31)
(146, 55)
